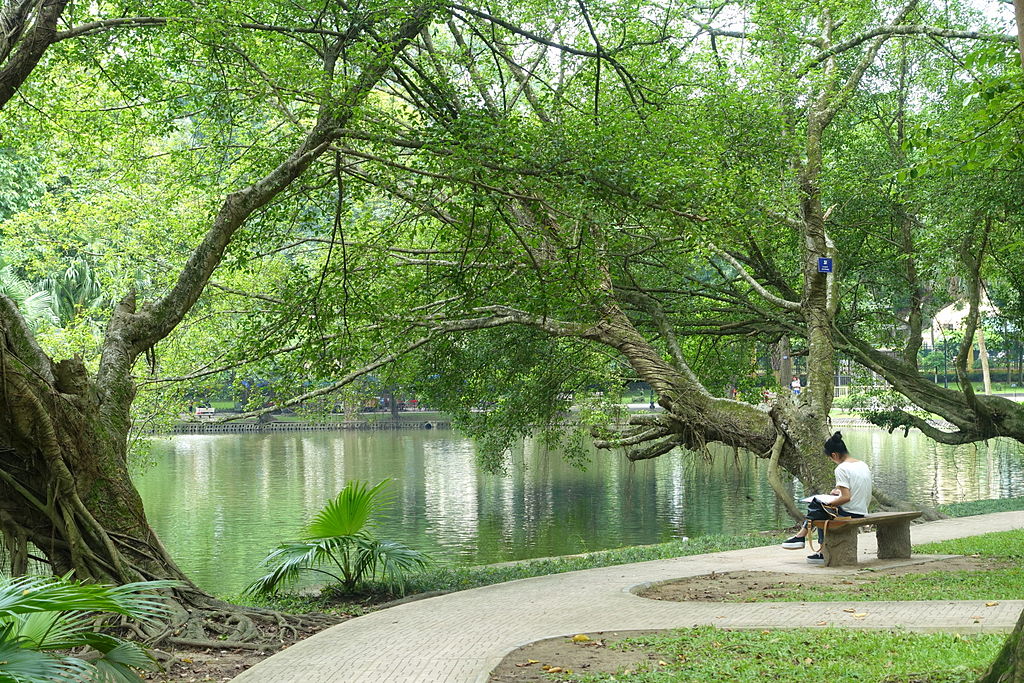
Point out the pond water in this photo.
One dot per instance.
(222, 502)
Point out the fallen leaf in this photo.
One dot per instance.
(849, 609)
(808, 660)
(531, 661)
(580, 638)
(860, 615)
(766, 632)
(822, 623)
(555, 670)
(991, 604)
(662, 662)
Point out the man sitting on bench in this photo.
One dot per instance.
(849, 498)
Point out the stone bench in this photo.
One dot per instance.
(893, 534)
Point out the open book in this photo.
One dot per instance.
(823, 498)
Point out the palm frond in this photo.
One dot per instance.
(291, 559)
(39, 307)
(51, 630)
(119, 658)
(392, 560)
(350, 511)
(29, 594)
(13, 286)
(24, 665)
(339, 535)
(42, 614)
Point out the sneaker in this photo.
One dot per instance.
(816, 558)
(795, 543)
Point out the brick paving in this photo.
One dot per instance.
(461, 637)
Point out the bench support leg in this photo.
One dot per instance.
(841, 547)
(893, 541)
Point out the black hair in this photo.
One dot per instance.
(835, 444)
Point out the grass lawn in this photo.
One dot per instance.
(1004, 582)
(712, 654)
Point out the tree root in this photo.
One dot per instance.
(202, 621)
(223, 644)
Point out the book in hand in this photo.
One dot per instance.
(824, 499)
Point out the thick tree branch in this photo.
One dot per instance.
(131, 332)
(750, 280)
(897, 418)
(899, 30)
(973, 257)
(18, 342)
(31, 46)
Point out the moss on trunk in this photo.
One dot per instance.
(1008, 666)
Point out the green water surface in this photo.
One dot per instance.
(221, 502)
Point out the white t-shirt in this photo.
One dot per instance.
(857, 477)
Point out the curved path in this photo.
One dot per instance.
(461, 637)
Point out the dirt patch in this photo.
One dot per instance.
(192, 666)
(561, 655)
(756, 586)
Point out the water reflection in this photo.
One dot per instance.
(221, 502)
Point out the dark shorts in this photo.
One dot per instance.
(816, 511)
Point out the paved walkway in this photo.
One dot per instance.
(461, 637)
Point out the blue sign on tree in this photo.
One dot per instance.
(824, 265)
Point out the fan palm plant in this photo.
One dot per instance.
(43, 619)
(35, 305)
(339, 543)
(77, 290)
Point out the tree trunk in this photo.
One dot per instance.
(67, 499)
(983, 355)
(1008, 666)
(785, 364)
(1018, 11)
(66, 496)
(64, 482)
(693, 418)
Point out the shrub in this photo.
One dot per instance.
(339, 538)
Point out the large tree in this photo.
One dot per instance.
(67, 497)
(679, 187)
